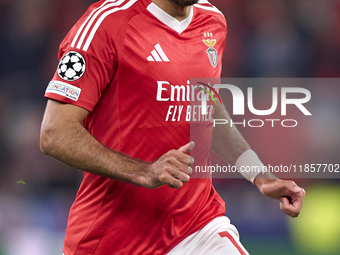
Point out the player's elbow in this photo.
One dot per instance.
(47, 140)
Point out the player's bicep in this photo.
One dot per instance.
(60, 121)
(56, 113)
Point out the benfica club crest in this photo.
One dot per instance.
(212, 52)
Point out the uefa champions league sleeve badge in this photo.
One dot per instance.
(72, 66)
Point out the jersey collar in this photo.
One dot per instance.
(178, 26)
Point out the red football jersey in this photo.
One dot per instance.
(129, 63)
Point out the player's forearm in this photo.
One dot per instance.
(63, 137)
(227, 141)
(72, 144)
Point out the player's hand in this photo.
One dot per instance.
(288, 193)
(173, 169)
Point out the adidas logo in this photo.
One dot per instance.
(158, 55)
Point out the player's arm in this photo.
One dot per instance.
(63, 137)
(232, 147)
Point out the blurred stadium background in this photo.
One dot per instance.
(266, 38)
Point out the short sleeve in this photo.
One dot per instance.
(87, 63)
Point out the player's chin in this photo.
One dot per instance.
(185, 3)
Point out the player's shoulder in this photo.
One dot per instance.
(120, 11)
(101, 19)
(206, 8)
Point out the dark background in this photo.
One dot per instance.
(266, 38)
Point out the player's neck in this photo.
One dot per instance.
(178, 12)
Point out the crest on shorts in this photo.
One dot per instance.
(212, 52)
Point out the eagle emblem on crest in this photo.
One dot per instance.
(212, 52)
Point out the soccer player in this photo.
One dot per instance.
(118, 108)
